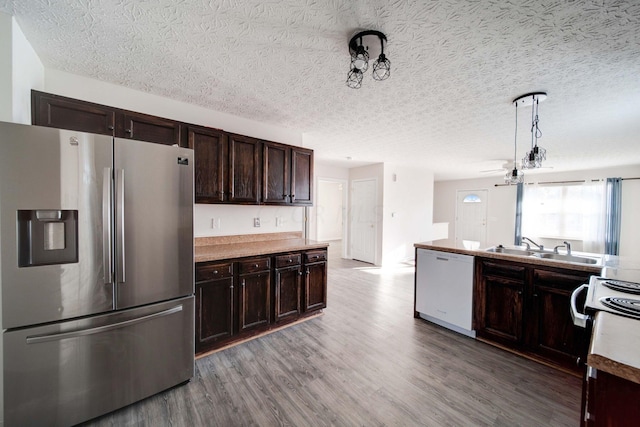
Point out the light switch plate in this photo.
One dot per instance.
(256, 222)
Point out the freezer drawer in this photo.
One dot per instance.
(65, 373)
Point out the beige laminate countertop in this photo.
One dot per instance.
(219, 252)
(615, 346)
(590, 268)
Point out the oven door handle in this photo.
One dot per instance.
(579, 319)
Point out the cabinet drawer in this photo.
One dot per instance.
(287, 260)
(315, 256)
(567, 280)
(254, 265)
(205, 272)
(504, 270)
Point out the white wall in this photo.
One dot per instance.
(501, 207)
(6, 92)
(27, 74)
(20, 71)
(407, 211)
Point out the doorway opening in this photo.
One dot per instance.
(471, 219)
(331, 212)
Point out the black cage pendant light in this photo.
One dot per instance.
(515, 176)
(533, 159)
(361, 46)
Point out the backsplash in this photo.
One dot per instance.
(226, 220)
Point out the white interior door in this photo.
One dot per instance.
(363, 220)
(471, 219)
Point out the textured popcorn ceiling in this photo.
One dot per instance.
(456, 66)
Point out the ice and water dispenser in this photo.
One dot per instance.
(47, 237)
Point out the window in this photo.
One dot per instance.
(566, 212)
(471, 198)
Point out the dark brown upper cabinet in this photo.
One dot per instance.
(244, 169)
(210, 148)
(301, 176)
(287, 175)
(276, 174)
(229, 168)
(144, 127)
(68, 113)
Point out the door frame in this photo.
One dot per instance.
(344, 252)
(375, 223)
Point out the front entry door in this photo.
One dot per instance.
(471, 219)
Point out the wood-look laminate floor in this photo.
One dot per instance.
(365, 362)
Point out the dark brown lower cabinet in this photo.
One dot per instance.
(241, 298)
(288, 287)
(255, 296)
(214, 304)
(315, 289)
(525, 307)
(610, 400)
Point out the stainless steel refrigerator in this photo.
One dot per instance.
(96, 272)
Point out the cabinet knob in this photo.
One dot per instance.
(215, 271)
(519, 292)
(256, 266)
(110, 127)
(128, 131)
(290, 260)
(300, 273)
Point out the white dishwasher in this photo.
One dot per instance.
(444, 289)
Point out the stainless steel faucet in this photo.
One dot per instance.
(566, 245)
(540, 247)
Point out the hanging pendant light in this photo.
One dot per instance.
(533, 159)
(515, 176)
(361, 46)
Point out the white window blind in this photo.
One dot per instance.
(566, 212)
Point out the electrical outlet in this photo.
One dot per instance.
(215, 223)
(256, 222)
(278, 221)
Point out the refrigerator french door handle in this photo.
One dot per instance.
(101, 329)
(120, 225)
(107, 260)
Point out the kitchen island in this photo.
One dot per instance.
(249, 285)
(521, 303)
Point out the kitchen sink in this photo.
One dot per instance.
(567, 258)
(510, 251)
(544, 254)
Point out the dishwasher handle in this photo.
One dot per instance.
(579, 319)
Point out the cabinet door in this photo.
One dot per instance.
(210, 150)
(315, 290)
(143, 127)
(502, 310)
(287, 292)
(275, 180)
(214, 312)
(254, 300)
(552, 332)
(244, 169)
(215, 306)
(301, 176)
(67, 113)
